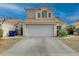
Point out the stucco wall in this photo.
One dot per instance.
(6, 28)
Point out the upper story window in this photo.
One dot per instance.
(49, 15)
(38, 15)
(44, 14)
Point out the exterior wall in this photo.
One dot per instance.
(34, 13)
(24, 29)
(48, 11)
(6, 28)
(30, 14)
(55, 30)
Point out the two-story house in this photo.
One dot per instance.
(40, 22)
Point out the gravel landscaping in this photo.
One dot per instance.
(7, 43)
(71, 41)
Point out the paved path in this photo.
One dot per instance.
(39, 47)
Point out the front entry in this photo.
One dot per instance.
(19, 31)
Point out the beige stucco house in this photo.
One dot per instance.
(40, 22)
(11, 25)
(76, 24)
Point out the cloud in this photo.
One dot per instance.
(73, 17)
(60, 13)
(10, 7)
(68, 17)
(11, 10)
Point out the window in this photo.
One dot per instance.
(38, 15)
(49, 15)
(44, 14)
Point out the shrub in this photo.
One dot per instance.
(58, 28)
(70, 29)
(62, 32)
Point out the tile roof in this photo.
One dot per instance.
(12, 21)
(1, 20)
(43, 21)
(76, 23)
(38, 8)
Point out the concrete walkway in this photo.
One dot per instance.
(39, 47)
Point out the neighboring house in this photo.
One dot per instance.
(11, 25)
(76, 24)
(40, 22)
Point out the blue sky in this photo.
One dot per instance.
(68, 12)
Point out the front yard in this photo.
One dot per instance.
(7, 43)
(72, 41)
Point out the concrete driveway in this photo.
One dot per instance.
(39, 47)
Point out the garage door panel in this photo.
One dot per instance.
(40, 30)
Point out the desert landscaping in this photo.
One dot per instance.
(72, 41)
(6, 44)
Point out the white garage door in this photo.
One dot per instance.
(39, 30)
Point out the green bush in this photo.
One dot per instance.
(71, 29)
(58, 28)
(62, 32)
(1, 33)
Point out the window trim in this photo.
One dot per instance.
(39, 15)
(49, 15)
(44, 15)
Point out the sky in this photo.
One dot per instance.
(68, 12)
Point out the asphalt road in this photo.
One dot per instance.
(40, 47)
